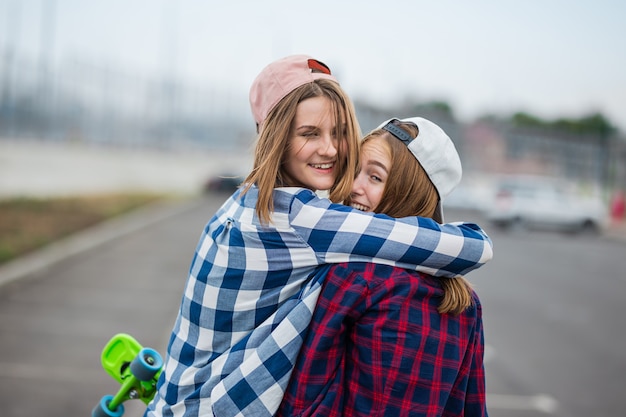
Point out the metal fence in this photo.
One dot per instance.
(83, 102)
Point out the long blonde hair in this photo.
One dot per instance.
(409, 192)
(272, 144)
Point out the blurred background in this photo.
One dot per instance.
(150, 96)
(535, 88)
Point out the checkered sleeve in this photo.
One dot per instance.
(257, 385)
(339, 233)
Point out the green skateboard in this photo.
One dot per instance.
(136, 368)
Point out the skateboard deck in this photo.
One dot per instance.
(135, 367)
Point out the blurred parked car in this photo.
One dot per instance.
(545, 203)
(223, 183)
(469, 195)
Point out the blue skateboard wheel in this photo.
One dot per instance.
(102, 409)
(146, 364)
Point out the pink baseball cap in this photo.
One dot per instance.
(282, 77)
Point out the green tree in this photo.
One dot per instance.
(593, 124)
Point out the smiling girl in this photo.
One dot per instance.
(387, 341)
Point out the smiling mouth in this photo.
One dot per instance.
(327, 165)
(359, 207)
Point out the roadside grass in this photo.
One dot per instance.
(27, 224)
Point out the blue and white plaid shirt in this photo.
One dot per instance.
(249, 297)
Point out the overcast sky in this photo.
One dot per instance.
(552, 58)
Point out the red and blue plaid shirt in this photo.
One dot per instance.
(378, 347)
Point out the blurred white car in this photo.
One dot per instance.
(545, 203)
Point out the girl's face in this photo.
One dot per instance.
(312, 153)
(369, 184)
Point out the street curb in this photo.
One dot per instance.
(92, 237)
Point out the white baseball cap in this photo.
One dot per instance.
(435, 151)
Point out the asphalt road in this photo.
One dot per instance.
(55, 321)
(553, 311)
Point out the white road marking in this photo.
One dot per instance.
(539, 402)
(490, 352)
